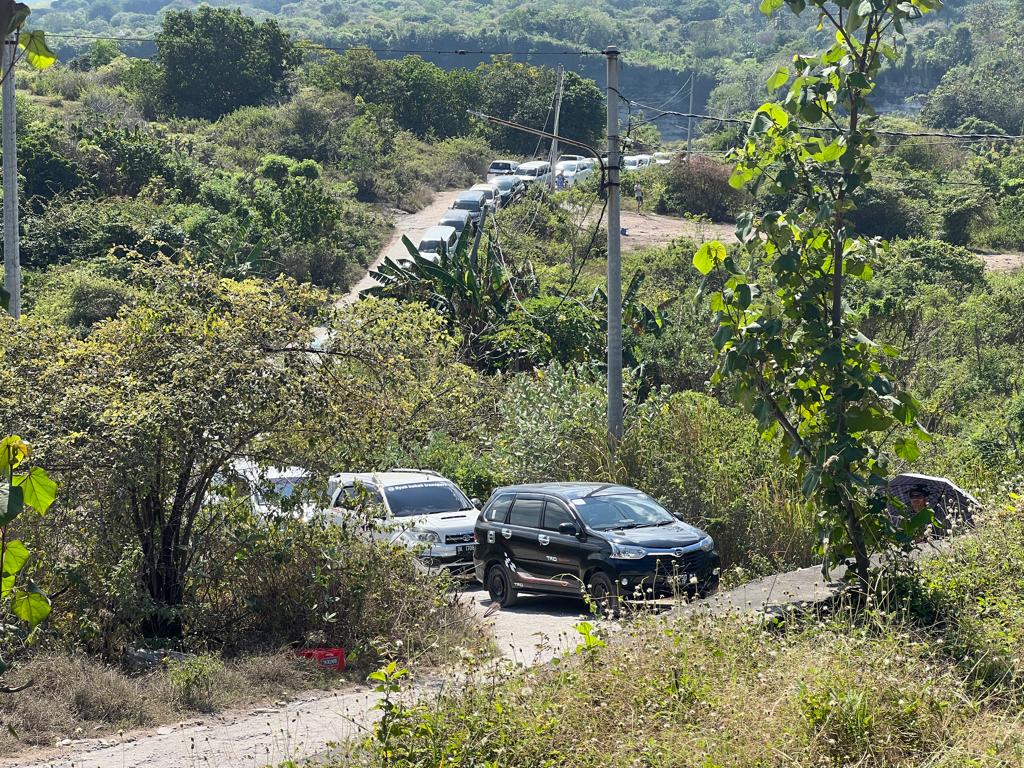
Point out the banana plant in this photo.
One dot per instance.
(22, 486)
(471, 287)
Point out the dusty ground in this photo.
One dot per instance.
(646, 229)
(1003, 262)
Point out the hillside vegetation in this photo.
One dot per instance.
(193, 209)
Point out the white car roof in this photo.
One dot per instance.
(533, 164)
(389, 479)
(511, 162)
(485, 186)
(438, 233)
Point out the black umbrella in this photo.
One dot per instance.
(949, 501)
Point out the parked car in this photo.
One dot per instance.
(492, 192)
(275, 490)
(437, 242)
(473, 201)
(663, 158)
(614, 541)
(536, 171)
(573, 170)
(569, 158)
(635, 162)
(457, 219)
(511, 188)
(414, 508)
(501, 168)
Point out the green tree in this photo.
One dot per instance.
(216, 60)
(787, 339)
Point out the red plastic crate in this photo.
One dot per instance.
(326, 658)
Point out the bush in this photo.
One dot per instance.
(193, 680)
(701, 187)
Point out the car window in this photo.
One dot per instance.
(554, 515)
(526, 512)
(498, 510)
(354, 495)
(425, 499)
(430, 245)
(612, 512)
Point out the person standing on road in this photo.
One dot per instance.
(638, 193)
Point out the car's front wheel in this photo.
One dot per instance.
(500, 586)
(604, 594)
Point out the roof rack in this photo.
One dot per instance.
(600, 488)
(418, 471)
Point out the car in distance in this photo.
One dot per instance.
(456, 218)
(536, 171)
(510, 188)
(492, 192)
(437, 242)
(418, 509)
(635, 162)
(501, 168)
(611, 540)
(574, 171)
(473, 201)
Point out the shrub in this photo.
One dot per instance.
(193, 681)
(701, 187)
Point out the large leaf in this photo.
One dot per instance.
(37, 52)
(13, 451)
(39, 490)
(710, 254)
(31, 604)
(15, 557)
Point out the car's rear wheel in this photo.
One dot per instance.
(604, 594)
(500, 586)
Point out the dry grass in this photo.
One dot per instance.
(74, 696)
(937, 682)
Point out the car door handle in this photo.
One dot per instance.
(543, 540)
(506, 532)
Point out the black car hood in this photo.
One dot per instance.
(678, 534)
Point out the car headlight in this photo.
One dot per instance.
(422, 536)
(707, 544)
(625, 552)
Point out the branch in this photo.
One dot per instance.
(784, 422)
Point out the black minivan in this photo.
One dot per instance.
(614, 541)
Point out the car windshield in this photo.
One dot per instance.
(531, 172)
(425, 499)
(613, 512)
(505, 182)
(568, 167)
(501, 166)
(467, 205)
(431, 246)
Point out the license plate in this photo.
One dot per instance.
(465, 549)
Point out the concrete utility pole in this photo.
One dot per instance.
(689, 122)
(12, 259)
(615, 405)
(553, 154)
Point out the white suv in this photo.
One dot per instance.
(421, 510)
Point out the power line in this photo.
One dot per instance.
(310, 45)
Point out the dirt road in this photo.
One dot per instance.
(411, 224)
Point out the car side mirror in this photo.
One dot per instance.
(568, 529)
(475, 502)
